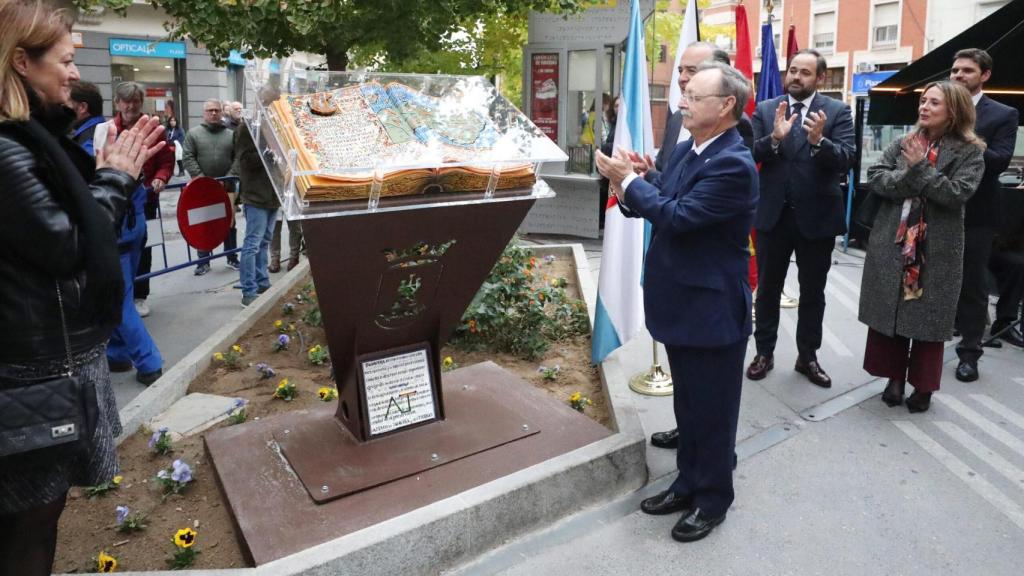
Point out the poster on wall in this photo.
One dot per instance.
(544, 93)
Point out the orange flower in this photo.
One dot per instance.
(472, 326)
(533, 261)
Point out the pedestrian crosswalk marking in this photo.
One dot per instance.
(985, 454)
(985, 424)
(844, 282)
(838, 296)
(828, 337)
(974, 481)
(998, 408)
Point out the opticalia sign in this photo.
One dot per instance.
(146, 48)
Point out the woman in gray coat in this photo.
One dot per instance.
(912, 273)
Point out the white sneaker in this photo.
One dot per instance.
(141, 307)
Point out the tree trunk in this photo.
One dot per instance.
(337, 57)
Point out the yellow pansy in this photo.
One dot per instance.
(117, 480)
(219, 357)
(575, 397)
(237, 348)
(105, 563)
(447, 362)
(185, 538)
(278, 324)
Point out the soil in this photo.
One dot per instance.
(88, 524)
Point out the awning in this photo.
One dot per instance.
(1001, 34)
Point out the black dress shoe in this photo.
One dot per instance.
(967, 371)
(1011, 336)
(666, 503)
(919, 402)
(760, 366)
(893, 394)
(666, 439)
(694, 526)
(813, 371)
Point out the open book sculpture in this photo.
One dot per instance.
(336, 132)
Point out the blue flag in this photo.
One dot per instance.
(769, 85)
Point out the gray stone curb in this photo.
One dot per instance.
(458, 529)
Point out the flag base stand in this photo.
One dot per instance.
(654, 382)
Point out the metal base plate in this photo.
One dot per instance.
(331, 463)
(275, 515)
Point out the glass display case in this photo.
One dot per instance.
(339, 143)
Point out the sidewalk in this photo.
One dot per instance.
(830, 481)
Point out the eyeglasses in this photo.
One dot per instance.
(696, 99)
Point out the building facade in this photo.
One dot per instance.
(856, 37)
(111, 49)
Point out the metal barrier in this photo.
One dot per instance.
(157, 225)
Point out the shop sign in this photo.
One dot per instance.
(864, 82)
(544, 93)
(235, 58)
(146, 48)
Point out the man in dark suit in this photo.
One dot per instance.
(805, 144)
(696, 295)
(996, 124)
(693, 55)
(674, 133)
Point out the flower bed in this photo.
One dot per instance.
(280, 365)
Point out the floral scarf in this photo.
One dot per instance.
(911, 236)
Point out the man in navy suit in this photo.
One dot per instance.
(696, 295)
(805, 144)
(692, 57)
(996, 124)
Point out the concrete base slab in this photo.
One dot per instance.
(193, 414)
(277, 517)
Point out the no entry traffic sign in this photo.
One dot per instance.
(204, 213)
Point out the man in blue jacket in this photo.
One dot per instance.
(696, 294)
(87, 102)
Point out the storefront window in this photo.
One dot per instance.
(158, 77)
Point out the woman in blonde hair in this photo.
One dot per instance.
(914, 263)
(60, 279)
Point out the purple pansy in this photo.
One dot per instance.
(122, 514)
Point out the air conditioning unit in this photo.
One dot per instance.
(867, 67)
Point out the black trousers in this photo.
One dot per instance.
(972, 310)
(813, 261)
(1008, 268)
(146, 258)
(29, 540)
(708, 384)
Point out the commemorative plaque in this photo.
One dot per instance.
(399, 390)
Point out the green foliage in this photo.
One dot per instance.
(664, 27)
(517, 312)
(368, 31)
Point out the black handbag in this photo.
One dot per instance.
(48, 419)
(867, 211)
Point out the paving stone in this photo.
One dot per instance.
(193, 414)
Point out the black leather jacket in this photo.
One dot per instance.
(39, 242)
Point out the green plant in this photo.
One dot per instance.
(185, 555)
(579, 402)
(104, 487)
(318, 355)
(232, 359)
(285, 390)
(549, 373)
(517, 312)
